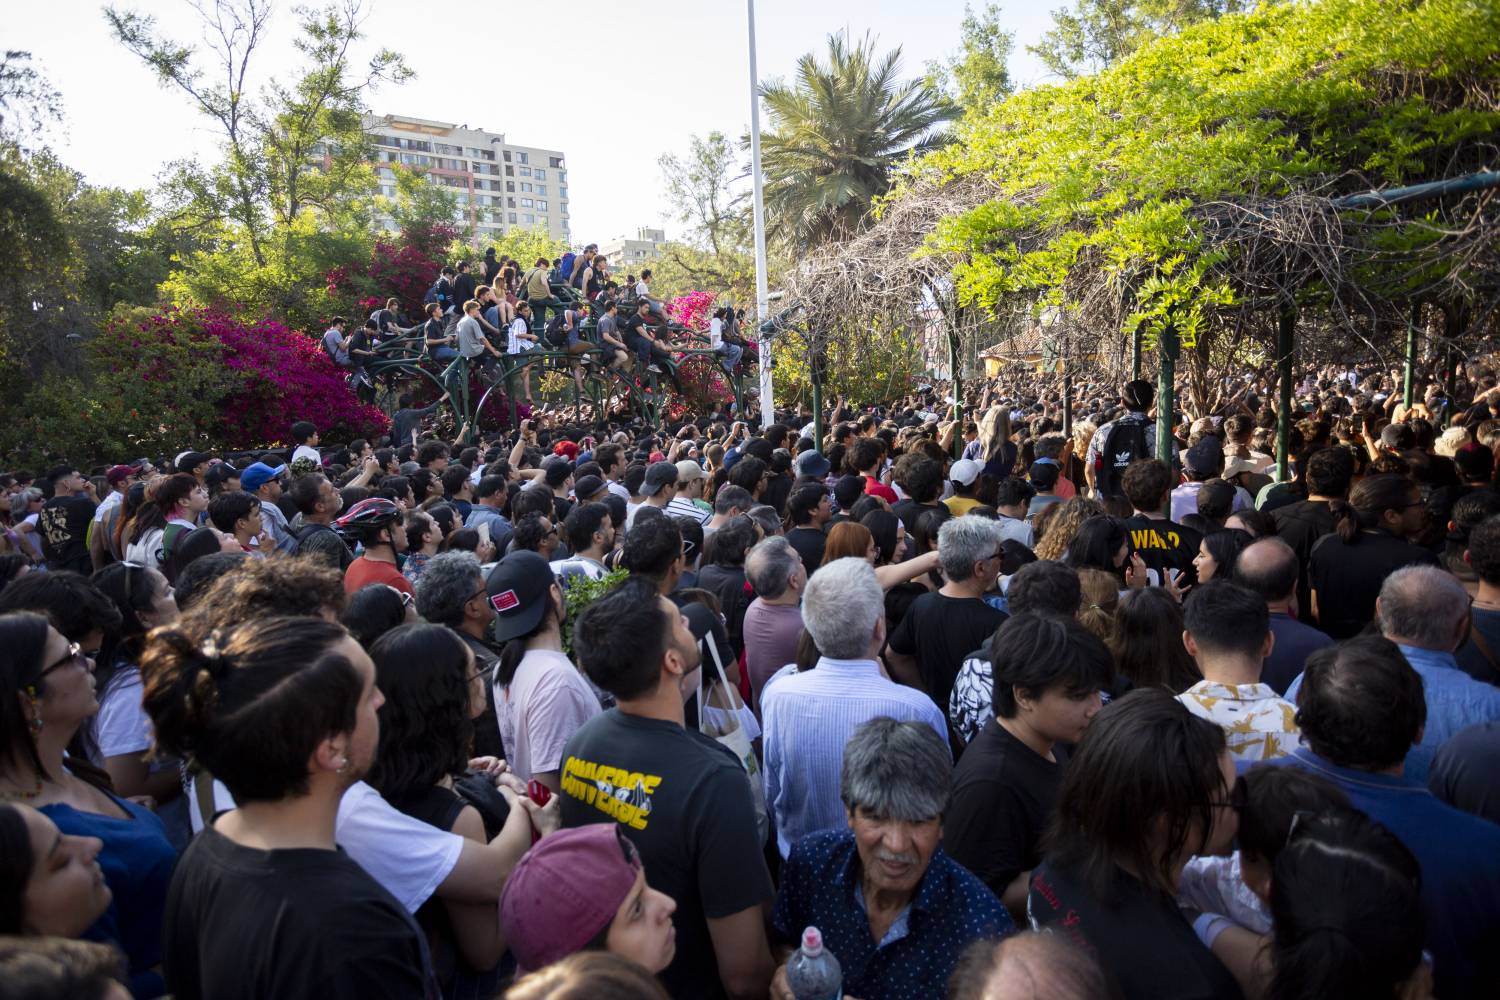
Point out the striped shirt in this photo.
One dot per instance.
(808, 718)
(683, 507)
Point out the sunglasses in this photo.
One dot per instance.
(406, 599)
(75, 656)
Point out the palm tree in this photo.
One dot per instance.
(837, 132)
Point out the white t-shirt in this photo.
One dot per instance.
(122, 726)
(641, 290)
(407, 857)
(34, 536)
(715, 332)
(546, 703)
(105, 505)
(303, 451)
(146, 551)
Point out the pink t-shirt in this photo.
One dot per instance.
(545, 704)
(771, 635)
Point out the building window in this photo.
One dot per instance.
(541, 206)
(387, 140)
(525, 171)
(523, 157)
(528, 218)
(527, 203)
(506, 155)
(526, 187)
(510, 171)
(512, 218)
(510, 203)
(540, 174)
(554, 161)
(510, 186)
(541, 189)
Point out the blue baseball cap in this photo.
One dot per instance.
(257, 475)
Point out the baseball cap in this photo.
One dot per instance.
(812, 463)
(588, 487)
(658, 474)
(689, 470)
(1044, 474)
(1205, 456)
(556, 470)
(189, 460)
(964, 471)
(119, 473)
(258, 474)
(518, 587)
(565, 891)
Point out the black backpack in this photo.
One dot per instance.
(554, 333)
(1125, 444)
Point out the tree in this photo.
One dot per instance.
(292, 196)
(836, 134)
(979, 75)
(1098, 33)
(27, 100)
(706, 193)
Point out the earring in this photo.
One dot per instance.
(36, 717)
(343, 765)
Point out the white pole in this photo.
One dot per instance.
(762, 303)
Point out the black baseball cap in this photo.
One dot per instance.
(517, 588)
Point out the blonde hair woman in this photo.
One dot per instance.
(996, 450)
(1075, 468)
(1101, 596)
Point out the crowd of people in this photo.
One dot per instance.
(573, 305)
(1004, 707)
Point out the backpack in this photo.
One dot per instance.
(168, 537)
(1125, 444)
(554, 333)
(565, 269)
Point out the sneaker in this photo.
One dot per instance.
(654, 368)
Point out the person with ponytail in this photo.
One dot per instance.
(283, 712)
(541, 698)
(122, 730)
(48, 696)
(1346, 905)
(1371, 539)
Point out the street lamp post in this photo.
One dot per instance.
(762, 302)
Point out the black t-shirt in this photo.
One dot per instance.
(242, 922)
(1347, 578)
(939, 630)
(359, 341)
(434, 329)
(685, 802)
(809, 543)
(1139, 937)
(64, 524)
(1300, 524)
(909, 510)
(1165, 545)
(1003, 794)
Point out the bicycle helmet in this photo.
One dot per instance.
(368, 516)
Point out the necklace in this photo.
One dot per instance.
(24, 796)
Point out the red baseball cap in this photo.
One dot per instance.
(565, 891)
(119, 473)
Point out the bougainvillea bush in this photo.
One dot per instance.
(157, 382)
(404, 267)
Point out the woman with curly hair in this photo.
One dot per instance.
(432, 695)
(1062, 527)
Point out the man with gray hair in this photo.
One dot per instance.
(451, 592)
(773, 621)
(1424, 610)
(809, 716)
(941, 627)
(894, 908)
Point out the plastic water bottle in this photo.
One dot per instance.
(812, 973)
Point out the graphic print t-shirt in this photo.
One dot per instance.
(684, 801)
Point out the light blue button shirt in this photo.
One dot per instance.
(1454, 701)
(807, 719)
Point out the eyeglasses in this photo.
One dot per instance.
(74, 657)
(1237, 797)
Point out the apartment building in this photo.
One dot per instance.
(629, 254)
(500, 185)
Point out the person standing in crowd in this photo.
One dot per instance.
(1361, 709)
(1425, 612)
(1121, 441)
(1228, 634)
(318, 503)
(1269, 567)
(1166, 547)
(680, 797)
(541, 699)
(51, 884)
(928, 647)
(894, 909)
(48, 697)
(262, 902)
(590, 535)
(1302, 523)
(691, 480)
(266, 483)
(582, 890)
(1371, 540)
(1048, 672)
(451, 592)
(1147, 789)
(809, 510)
(773, 621)
(378, 526)
(811, 715)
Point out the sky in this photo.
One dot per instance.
(614, 87)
